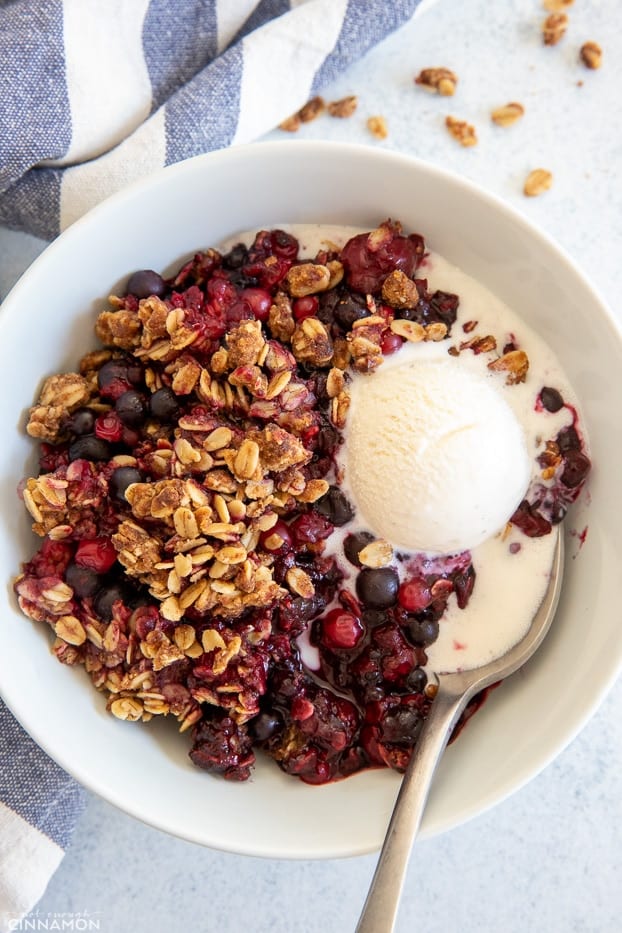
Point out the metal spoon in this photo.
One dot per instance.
(454, 692)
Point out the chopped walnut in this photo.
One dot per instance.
(312, 109)
(554, 28)
(244, 344)
(279, 449)
(280, 319)
(399, 291)
(290, 124)
(377, 126)
(508, 114)
(344, 107)
(311, 342)
(437, 80)
(556, 6)
(462, 132)
(307, 278)
(591, 55)
(537, 182)
(515, 363)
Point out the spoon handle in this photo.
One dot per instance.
(380, 910)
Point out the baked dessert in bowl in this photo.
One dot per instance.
(114, 411)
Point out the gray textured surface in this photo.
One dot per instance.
(549, 858)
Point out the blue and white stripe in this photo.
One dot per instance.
(95, 95)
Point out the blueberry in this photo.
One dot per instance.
(105, 599)
(551, 399)
(349, 309)
(335, 507)
(373, 617)
(131, 408)
(377, 588)
(82, 580)
(163, 405)
(82, 421)
(416, 680)
(121, 479)
(146, 282)
(354, 544)
(422, 632)
(89, 447)
(236, 257)
(117, 376)
(265, 725)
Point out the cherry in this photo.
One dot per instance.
(278, 538)
(305, 307)
(414, 595)
(335, 507)
(354, 544)
(390, 343)
(97, 554)
(340, 630)
(259, 300)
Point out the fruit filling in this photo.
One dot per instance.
(204, 554)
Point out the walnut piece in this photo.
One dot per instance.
(312, 109)
(377, 126)
(537, 182)
(508, 114)
(438, 81)
(591, 55)
(554, 28)
(307, 278)
(556, 6)
(515, 363)
(311, 342)
(399, 291)
(344, 107)
(462, 132)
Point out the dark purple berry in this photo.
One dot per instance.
(377, 588)
(354, 544)
(422, 632)
(82, 580)
(265, 725)
(551, 399)
(131, 408)
(82, 421)
(89, 447)
(121, 479)
(576, 468)
(164, 406)
(117, 376)
(105, 599)
(146, 282)
(568, 439)
(349, 309)
(236, 257)
(416, 680)
(335, 507)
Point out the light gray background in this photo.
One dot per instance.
(549, 858)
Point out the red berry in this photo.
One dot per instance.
(109, 427)
(340, 629)
(414, 595)
(305, 307)
(97, 554)
(277, 538)
(390, 343)
(259, 300)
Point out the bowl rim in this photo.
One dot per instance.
(595, 691)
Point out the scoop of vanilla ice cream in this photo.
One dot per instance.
(435, 458)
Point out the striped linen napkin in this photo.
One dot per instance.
(93, 96)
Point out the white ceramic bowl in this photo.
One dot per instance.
(46, 324)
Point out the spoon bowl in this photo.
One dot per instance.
(453, 693)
